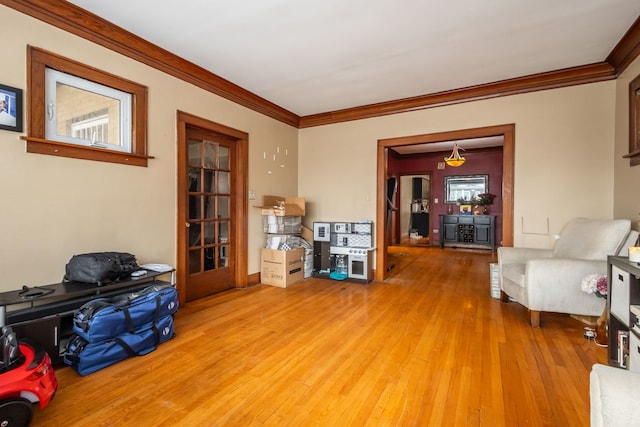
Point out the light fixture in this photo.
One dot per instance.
(455, 159)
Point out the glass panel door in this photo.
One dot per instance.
(209, 212)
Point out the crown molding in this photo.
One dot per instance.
(77, 21)
(542, 81)
(80, 22)
(627, 49)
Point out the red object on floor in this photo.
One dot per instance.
(31, 381)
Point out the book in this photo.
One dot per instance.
(623, 349)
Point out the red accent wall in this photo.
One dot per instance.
(485, 162)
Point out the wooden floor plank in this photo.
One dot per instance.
(428, 346)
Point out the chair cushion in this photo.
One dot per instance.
(592, 239)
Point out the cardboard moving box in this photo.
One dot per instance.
(282, 206)
(282, 268)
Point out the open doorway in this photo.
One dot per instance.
(414, 207)
(507, 132)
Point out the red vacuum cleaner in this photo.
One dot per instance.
(26, 377)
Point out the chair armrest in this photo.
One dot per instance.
(612, 392)
(553, 284)
(508, 255)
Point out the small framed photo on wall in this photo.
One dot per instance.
(10, 108)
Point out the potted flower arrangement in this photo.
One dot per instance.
(484, 200)
(597, 284)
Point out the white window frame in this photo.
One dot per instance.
(52, 77)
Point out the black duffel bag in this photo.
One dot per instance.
(100, 267)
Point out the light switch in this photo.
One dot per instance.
(435, 200)
(252, 195)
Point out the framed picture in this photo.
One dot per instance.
(10, 108)
(465, 209)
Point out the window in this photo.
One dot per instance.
(634, 122)
(86, 113)
(81, 112)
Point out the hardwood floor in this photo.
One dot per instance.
(427, 347)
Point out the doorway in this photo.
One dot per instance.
(508, 134)
(414, 206)
(212, 209)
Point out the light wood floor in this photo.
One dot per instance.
(427, 347)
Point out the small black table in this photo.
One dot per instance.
(58, 292)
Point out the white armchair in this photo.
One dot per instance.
(549, 279)
(612, 392)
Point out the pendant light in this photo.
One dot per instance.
(455, 159)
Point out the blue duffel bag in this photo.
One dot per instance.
(87, 357)
(104, 318)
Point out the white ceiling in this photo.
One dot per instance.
(464, 144)
(315, 56)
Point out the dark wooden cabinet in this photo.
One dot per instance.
(419, 188)
(45, 331)
(467, 230)
(420, 223)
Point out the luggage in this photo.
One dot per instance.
(100, 267)
(87, 357)
(104, 318)
(109, 330)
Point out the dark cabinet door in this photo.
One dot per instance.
(450, 232)
(45, 331)
(483, 234)
(321, 257)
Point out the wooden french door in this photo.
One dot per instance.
(211, 213)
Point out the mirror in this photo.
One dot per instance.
(464, 187)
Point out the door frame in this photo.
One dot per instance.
(508, 161)
(239, 190)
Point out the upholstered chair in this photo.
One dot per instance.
(549, 279)
(613, 395)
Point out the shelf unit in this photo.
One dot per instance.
(623, 306)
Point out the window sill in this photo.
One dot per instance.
(634, 157)
(62, 149)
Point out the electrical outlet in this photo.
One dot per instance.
(435, 201)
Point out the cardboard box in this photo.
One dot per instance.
(282, 268)
(281, 224)
(307, 234)
(282, 206)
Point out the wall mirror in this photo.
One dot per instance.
(464, 187)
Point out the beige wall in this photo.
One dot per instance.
(55, 207)
(563, 157)
(627, 196)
